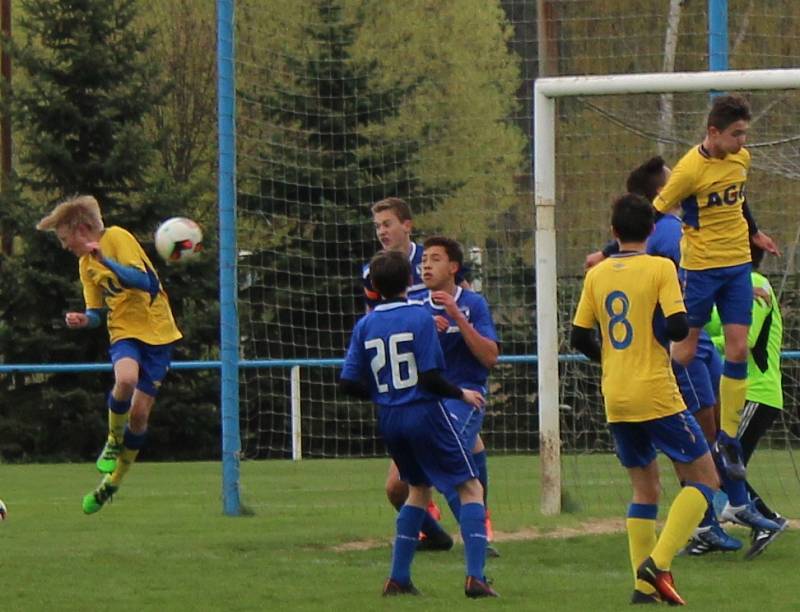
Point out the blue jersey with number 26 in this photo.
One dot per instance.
(390, 348)
(626, 295)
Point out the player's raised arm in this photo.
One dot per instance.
(484, 349)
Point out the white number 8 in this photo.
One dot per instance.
(395, 359)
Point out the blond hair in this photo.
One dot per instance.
(72, 212)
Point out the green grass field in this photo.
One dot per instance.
(319, 539)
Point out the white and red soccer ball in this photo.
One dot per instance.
(3, 511)
(179, 240)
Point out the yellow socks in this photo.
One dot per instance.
(641, 527)
(684, 515)
(733, 394)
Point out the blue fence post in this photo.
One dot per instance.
(718, 35)
(229, 319)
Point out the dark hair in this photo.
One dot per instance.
(390, 273)
(451, 247)
(632, 218)
(727, 110)
(647, 179)
(399, 207)
(756, 254)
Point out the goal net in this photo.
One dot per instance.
(607, 136)
(343, 102)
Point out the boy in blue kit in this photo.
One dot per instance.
(469, 342)
(395, 359)
(631, 295)
(117, 276)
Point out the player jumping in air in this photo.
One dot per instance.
(395, 359)
(624, 295)
(117, 276)
(708, 183)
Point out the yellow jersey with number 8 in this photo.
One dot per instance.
(629, 295)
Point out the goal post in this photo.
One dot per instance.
(546, 92)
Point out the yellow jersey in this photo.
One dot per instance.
(629, 295)
(711, 193)
(132, 313)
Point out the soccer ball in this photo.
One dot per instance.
(3, 511)
(178, 240)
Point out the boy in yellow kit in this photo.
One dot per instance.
(117, 275)
(636, 301)
(708, 183)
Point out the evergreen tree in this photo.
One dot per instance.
(319, 175)
(87, 91)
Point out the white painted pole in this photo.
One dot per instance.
(297, 440)
(725, 80)
(546, 302)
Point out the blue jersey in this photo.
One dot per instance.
(389, 348)
(699, 380)
(416, 290)
(665, 241)
(462, 368)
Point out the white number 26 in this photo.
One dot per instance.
(395, 359)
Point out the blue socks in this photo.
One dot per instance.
(483, 472)
(409, 522)
(473, 531)
(483, 476)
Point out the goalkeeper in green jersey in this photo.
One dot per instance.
(764, 399)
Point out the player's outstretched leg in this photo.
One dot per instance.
(117, 420)
(94, 501)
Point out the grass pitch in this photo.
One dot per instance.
(319, 539)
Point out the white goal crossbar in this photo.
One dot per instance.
(546, 90)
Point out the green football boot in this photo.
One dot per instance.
(94, 501)
(107, 461)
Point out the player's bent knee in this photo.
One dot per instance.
(124, 387)
(396, 492)
(470, 492)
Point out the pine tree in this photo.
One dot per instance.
(79, 110)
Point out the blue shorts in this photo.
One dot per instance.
(699, 381)
(466, 420)
(425, 445)
(730, 288)
(153, 360)
(678, 436)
